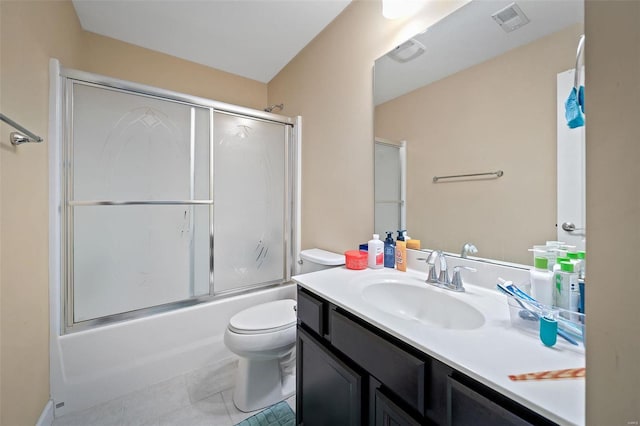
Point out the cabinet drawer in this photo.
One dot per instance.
(311, 312)
(468, 407)
(398, 370)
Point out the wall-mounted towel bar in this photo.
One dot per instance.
(497, 174)
(23, 135)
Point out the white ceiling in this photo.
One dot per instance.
(468, 37)
(250, 38)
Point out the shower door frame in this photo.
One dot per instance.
(67, 79)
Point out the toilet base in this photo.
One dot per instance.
(259, 384)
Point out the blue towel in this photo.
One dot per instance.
(581, 98)
(572, 111)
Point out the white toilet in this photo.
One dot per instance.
(264, 337)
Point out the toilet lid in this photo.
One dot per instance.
(266, 317)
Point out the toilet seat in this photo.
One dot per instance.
(268, 317)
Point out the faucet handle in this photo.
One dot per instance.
(443, 278)
(431, 261)
(456, 281)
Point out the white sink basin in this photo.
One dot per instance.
(422, 303)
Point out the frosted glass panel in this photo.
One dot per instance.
(132, 257)
(249, 180)
(133, 147)
(387, 189)
(387, 176)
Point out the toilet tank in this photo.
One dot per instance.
(317, 259)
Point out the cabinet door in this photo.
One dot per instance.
(328, 391)
(469, 408)
(387, 413)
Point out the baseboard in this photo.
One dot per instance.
(46, 418)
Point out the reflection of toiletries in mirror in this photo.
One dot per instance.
(541, 281)
(413, 244)
(375, 256)
(389, 251)
(401, 256)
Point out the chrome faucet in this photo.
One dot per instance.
(442, 280)
(468, 248)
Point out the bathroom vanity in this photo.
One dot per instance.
(362, 363)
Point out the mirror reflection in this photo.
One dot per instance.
(470, 96)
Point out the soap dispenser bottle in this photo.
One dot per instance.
(375, 252)
(389, 251)
(542, 281)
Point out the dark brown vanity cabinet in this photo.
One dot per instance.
(352, 373)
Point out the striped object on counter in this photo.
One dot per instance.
(569, 373)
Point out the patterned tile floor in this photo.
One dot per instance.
(199, 398)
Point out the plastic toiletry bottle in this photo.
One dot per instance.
(566, 281)
(542, 281)
(574, 257)
(389, 251)
(559, 260)
(401, 255)
(375, 252)
(582, 256)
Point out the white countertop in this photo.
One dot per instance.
(488, 354)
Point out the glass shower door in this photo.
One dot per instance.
(139, 199)
(250, 175)
(168, 201)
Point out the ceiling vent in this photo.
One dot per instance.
(407, 51)
(510, 18)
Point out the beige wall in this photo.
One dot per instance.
(613, 211)
(330, 84)
(31, 32)
(128, 62)
(497, 115)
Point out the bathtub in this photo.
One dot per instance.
(97, 365)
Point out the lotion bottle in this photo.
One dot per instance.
(541, 281)
(401, 256)
(375, 255)
(566, 281)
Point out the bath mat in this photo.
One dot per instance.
(279, 414)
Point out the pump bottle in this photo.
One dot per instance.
(542, 281)
(389, 251)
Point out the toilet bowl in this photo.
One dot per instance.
(264, 337)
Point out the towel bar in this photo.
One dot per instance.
(498, 174)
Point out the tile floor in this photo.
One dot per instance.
(201, 397)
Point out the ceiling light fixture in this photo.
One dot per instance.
(394, 9)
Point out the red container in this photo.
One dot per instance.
(355, 259)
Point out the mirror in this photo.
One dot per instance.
(479, 99)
